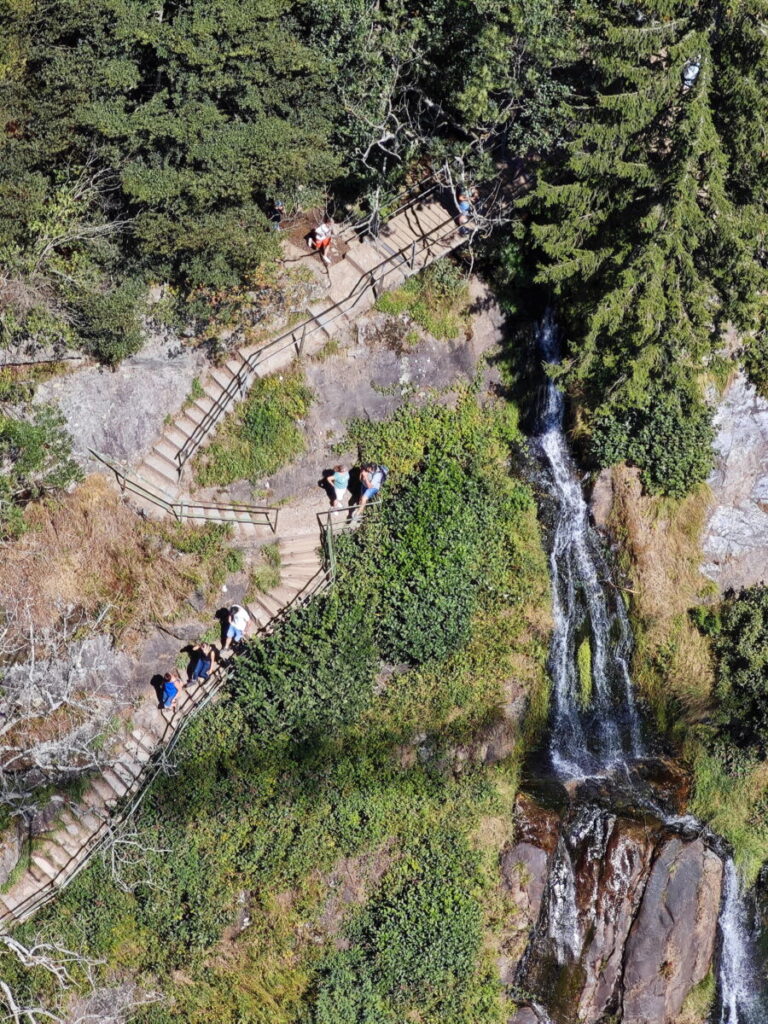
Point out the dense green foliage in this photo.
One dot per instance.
(147, 142)
(436, 299)
(647, 221)
(307, 768)
(307, 679)
(669, 434)
(36, 457)
(260, 435)
(416, 943)
(739, 631)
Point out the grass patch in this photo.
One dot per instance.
(731, 793)
(265, 575)
(260, 435)
(672, 663)
(89, 550)
(584, 665)
(196, 391)
(330, 348)
(699, 1002)
(437, 300)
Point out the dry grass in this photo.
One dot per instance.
(660, 538)
(88, 550)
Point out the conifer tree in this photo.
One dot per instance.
(648, 221)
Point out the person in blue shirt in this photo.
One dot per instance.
(171, 687)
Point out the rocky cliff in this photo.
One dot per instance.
(622, 913)
(735, 539)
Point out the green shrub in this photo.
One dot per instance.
(755, 362)
(436, 299)
(314, 673)
(416, 945)
(740, 635)
(669, 439)
(36, 455)
(111, 322)
(261, 435)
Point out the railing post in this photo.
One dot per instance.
(303, 339)
(412, 261)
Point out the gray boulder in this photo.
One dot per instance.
(121, 412)
(672, 940)
(735, 540)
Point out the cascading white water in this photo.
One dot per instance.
(605, 735)
(585, 741)
(736, 980)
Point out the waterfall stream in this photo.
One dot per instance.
(596, 730)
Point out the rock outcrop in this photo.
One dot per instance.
(672, 940)
(119, 412)
(627, 916)
(735, 541)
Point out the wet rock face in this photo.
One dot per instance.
(672, 940)
(627, 917)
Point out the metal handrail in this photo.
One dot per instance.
(405, 198)
(334, 525)
(317, 321)
(182, 510)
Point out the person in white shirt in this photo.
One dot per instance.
(238, 623)
(320, 239)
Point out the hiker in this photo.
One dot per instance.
(464, 204)
(276, 214)
(238, 623)
(320, 239)
(372, 478)
(171, 686)
(339, 480)
(206, 659)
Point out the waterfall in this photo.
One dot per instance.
(597, 733)
(585, 740)
(736, 975)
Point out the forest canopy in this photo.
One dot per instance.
(144, 142)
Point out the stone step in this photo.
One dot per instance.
(223, 376)
(156, 481)
(194, 413)
(57, 854)
(6, 910)
(284, 594)
(299, 542)
(166, 448)
(42, 868)
(163, 463)
(128, 770)
(269, 603)
(106, 791)
(174, 436)
(70, 842)
(84, 820)
(204, 404)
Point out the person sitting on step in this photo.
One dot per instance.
(172, 684)
(206, 659)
